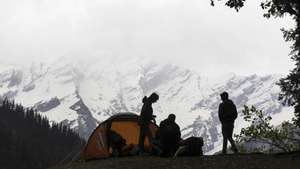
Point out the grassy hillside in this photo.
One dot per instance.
(247, 161)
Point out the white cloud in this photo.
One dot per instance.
(212, 40)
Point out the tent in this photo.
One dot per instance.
(125, 124)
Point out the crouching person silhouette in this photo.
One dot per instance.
(144, 120)
(116, 142)
(227, 116)
(169, 136)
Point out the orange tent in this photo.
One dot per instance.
(125, 124)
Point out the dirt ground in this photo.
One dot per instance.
(242, 161)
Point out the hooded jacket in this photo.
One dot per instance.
(146, 112)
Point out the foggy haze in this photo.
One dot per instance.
(211, 40)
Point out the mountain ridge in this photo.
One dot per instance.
(82, 94)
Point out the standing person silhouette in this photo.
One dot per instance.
(227, 116)
(145, 119)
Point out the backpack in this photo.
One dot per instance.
(116, 140)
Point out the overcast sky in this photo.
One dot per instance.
(211, 40)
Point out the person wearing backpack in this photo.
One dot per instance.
(145, 118)
(227, 115)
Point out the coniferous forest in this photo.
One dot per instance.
(28, 141)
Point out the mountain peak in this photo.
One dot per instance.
(82, 92)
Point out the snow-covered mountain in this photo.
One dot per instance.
(83, 93)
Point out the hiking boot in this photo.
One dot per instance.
(224, 152)
(235, 150)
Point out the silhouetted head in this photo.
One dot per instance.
(145, 99)
(153, 97)
(172, 117)
(224, 96)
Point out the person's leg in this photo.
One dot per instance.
(233, 146)
(142, 137)
(156, 147)
(174, 148)
(169, 151)
(224, 150)
(182, 150)
(148, 134)
(230, 132)
(224, 133)
(164, 148)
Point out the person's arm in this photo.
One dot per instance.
(154, 121)
(153, 118)
(235, 114)
(220, 113)
(178, 132)
(150, 113)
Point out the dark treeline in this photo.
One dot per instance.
(28, 141)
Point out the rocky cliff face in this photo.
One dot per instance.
(82, 94)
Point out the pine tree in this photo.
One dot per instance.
(29, 142)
